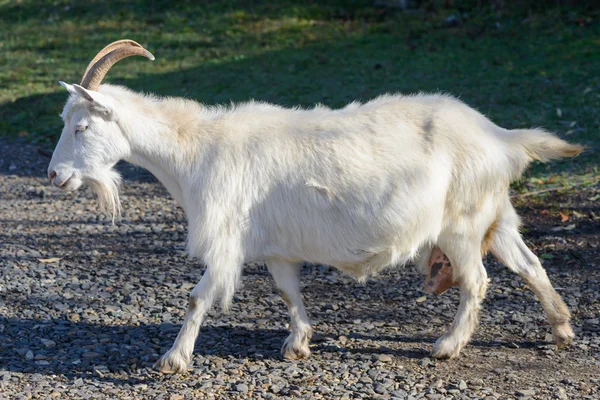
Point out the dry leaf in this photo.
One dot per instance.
(545, 212)
(564, 217)
(49, 260)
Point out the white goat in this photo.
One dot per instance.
(360, 188)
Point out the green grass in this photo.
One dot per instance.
(521, 69)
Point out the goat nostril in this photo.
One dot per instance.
(51, 174)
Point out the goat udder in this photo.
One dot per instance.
(439, 275)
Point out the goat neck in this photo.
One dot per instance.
(165, 136)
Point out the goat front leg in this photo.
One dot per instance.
(177, 359)
(219, 280)
(286, 278)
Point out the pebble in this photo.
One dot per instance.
(243, 388)
(91, 354)
(525, 393)
(561, 393)
(424, 362)
(385, 358)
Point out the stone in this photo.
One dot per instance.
(91, 354)
(525, 393)
(242, 388)
(385, 358)
(561, 394)
(424, 362)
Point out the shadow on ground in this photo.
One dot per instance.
(130, 351)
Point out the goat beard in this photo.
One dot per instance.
(106, 186)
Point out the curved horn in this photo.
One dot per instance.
(108, 49)
(96, 73)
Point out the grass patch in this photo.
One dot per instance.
(522, 70)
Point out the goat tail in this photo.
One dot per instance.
(537, 145)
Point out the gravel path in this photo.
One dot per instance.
(91, 324)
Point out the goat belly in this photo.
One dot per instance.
(439, 276)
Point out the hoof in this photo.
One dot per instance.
(446, 347)
(295, 348)
(562, 335)
(295, 353)
(172, 363)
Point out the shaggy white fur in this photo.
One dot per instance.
(360, 188)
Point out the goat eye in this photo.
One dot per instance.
(80, 128)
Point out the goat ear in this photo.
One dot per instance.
(69, 88)
(83, 92)
(96, 99)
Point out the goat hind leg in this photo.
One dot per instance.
(472, 277)
(285, 275)
(509, 248)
